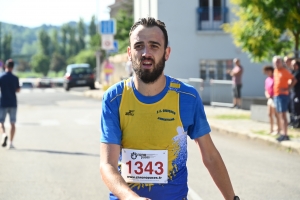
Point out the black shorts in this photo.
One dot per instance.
(237, 91)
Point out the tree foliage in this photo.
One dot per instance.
(124, 23)
(81, 34)
(58, 62)
(64, 31)
(41, 63)
(85, 56)
(44, 41)
(6, 47)
(55, 48)
(23, 66)
(93, 26)
(266, 28)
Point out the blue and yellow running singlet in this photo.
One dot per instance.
(153, 132)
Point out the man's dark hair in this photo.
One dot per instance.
(268, 68)
(151, 22)
(9, 63)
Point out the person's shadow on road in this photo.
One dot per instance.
(58, 152)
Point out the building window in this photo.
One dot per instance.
(211, 14)
(215, 69)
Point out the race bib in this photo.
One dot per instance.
(144, 166)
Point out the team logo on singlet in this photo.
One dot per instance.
(166, 111)
(130, 113)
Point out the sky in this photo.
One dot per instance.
(33, 13)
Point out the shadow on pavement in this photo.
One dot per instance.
(58, 152)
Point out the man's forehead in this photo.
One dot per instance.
(142, 33)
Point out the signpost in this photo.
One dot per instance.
(108, 27)
(107, 42)
(116, 47)
(107, 30)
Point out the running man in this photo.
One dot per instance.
(145, 123)
(9, 84)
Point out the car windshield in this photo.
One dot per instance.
(81, 70)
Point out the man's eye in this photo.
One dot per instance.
(154, 46)
(138, 46)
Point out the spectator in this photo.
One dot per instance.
(236, 74)
(9, 84)
(295, 94)
(108, 71)
(283, 82)
(287, 61)
(269, 93)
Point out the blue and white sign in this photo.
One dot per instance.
(116, 47)
(108, 27)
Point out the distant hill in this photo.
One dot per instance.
(24, 39)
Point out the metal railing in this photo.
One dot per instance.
(221, 93)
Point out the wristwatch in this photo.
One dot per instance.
(236, 198)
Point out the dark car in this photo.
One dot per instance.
(79, 75)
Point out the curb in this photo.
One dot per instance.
(288, 146)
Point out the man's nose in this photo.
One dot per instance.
(146, 52)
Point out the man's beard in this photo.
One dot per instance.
(146, 75)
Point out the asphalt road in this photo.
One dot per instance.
(57, 156)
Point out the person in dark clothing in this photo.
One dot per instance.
(295, 94)
(9, 84)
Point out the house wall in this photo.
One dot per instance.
(189, 46)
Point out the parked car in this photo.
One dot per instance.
(27, 85)
(44, 82)
(79, 75)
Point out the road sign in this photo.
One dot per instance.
(107, 42)
(108, 27)
(116, 47)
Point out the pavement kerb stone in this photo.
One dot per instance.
(290, 146)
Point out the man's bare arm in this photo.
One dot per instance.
(215, 165)
(109, 155)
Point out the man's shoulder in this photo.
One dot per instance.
(183, 88)
(114, 91)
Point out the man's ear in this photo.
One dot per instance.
(128, 53)
(168, 52)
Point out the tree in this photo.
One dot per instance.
(85, 56)
(55, 48)
(124, 23)
(23, 66)
(44, 41)
(266, 28)
(6, 47)
(64, 30)
(93, 27)
(81, 34)
(73, 47)
(58, 62)
(29, 49)
(41, 63)
(95, 44)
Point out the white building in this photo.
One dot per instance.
(199, 47)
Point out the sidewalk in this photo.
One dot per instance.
(237, 122)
